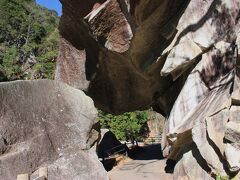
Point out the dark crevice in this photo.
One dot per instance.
(4, 146)
(201, 161)
(5, 141)
(170, 165)
(127, 15)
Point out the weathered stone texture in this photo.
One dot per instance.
(180, 57)
(47, 123)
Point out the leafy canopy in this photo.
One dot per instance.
(28, 40)
(128, 126)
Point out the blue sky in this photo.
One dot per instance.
(51, 4)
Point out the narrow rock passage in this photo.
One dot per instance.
(147, 165)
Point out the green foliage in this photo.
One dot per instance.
(128, 126)
(219, 177)
(28, 31)
(8, 65)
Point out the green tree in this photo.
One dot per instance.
(9, 65)
(28, 40)
(130, 126)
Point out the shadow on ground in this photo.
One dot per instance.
(147, 163)
(109, 164)
(150, 152)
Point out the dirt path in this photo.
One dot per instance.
(147, 165)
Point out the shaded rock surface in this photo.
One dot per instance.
(107, 143)
(180, 57)
(117, 45)
(47, 123)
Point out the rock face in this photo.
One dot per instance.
(198, 127)
(48, 123)
(110, 50)
(155, 124)
(180, 57)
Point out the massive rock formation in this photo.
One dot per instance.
(110, 49)
(180, 57)
(45, 123)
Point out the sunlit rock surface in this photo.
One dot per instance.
(180, 57)
(47, 123)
